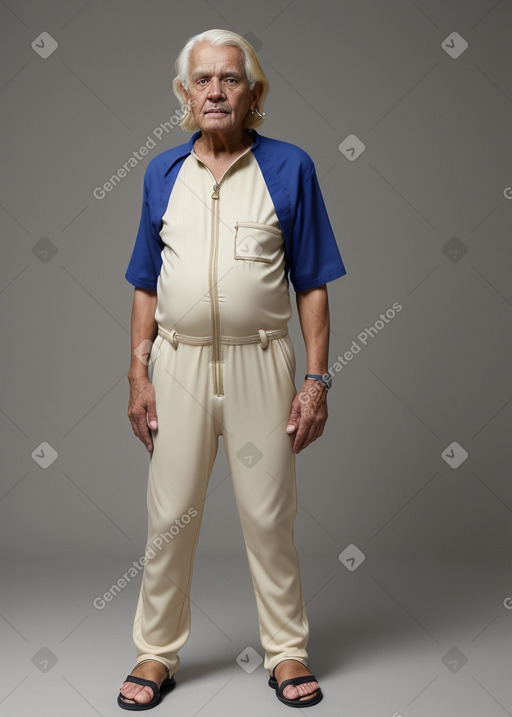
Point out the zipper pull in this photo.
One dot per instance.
(216, 188)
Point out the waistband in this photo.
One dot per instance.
(173, 337)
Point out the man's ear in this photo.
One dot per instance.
(185, 93)
(256, 92)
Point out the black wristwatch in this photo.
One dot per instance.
(325, 380)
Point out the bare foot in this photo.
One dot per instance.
(293, 668)
(150, 670)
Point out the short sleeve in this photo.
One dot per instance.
(315, 257)
(146, 260)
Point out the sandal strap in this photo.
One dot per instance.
(296, 681)
(145, 683)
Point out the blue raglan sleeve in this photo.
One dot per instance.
(315, 257)
(145, 262)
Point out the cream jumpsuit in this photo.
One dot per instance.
(222, 364)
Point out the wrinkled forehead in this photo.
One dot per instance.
(213, 59)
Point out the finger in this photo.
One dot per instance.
(144, 432)
(134, 426)
(307, 439)
(309, 430)
(151, 417)
(302, 433)
(315, 430)
(294, 417)
(152, 420)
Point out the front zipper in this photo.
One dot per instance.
(213, 271)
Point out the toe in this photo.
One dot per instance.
(145, 695)
(304, 691)
(124, 697)
(136, 693)
(127, 691)
(310, 690)
(291, 692)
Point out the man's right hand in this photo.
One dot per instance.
(142, 410)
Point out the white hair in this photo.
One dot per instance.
(253, 70)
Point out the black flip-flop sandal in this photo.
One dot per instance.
(297, 702)
(168, 683)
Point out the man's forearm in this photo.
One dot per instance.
(313, 308)
(143, 326)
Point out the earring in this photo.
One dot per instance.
(255, 111)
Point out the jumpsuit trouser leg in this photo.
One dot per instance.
(251, 414)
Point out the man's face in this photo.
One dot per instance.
(217, 81)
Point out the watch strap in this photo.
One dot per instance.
(321, 378)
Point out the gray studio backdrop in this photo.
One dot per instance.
(406, 109)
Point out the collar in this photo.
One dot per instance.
(187, 146)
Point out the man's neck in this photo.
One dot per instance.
(218, 146)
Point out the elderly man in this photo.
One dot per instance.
(226, 217)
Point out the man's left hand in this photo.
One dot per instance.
(308, 415)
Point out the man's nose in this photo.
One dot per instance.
(215, 89)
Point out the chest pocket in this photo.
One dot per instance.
(257, 242)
